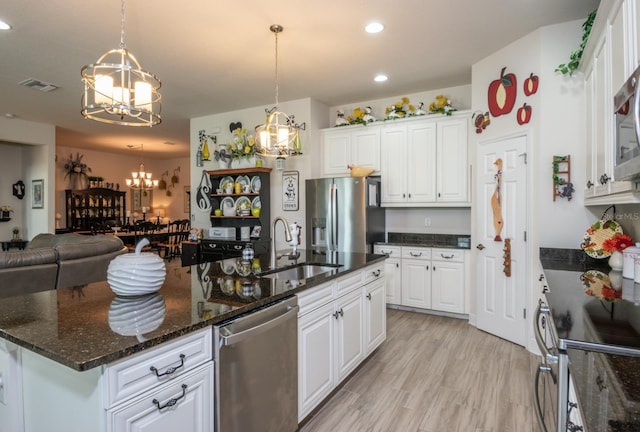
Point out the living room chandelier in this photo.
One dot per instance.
(118, 91)
(141, 179)
(279, 136)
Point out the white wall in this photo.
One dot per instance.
(26, 153)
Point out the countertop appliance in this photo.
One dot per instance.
(343, 214)
(626, 106)
(256, 370)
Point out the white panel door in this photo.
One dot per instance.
(421, 162)
(416, 283)
(336, 152)
(350, 333)
(452, 161)
(316, 344)
(501, 299)
(447, 286)
(375, 314)
(365, 148)
(394, 162)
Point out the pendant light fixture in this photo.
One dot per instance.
(118, 91)
(279, 136)
(141, 179)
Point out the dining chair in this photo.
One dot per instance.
(170, 246)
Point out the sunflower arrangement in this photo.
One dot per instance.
(242, 144)
(400, 109)
(441, 105)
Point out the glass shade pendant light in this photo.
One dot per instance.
(141, 179)
(118, 91)
(279, 136)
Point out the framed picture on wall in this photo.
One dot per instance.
(290, 190)
(37, 193)
(141, 198)
(187, 199)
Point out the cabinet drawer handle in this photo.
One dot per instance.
(415, 255)
(376, 273)
(171, 402)
(170, 370)
(447, 256)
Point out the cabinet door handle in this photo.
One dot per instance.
(604, 178)
(376, 273)
(369, 296)
(409, 195)
(336, 314)
(341, 312)
(171, 369)
(480, 246)
(434, 268)
(589, 184)
(171, 402)
(541, 277)
(404, 196)
(427, 267)
(397, 265)
(600, 383)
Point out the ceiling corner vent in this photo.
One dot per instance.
(38, 85)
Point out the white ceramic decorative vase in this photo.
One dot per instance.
(616, 261)
(248, 162)
(224, 163)
(136, 273)
(235, 164)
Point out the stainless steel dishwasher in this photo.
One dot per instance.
(256, 363)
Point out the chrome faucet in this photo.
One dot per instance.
(287, 236)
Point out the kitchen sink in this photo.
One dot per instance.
(301, 271)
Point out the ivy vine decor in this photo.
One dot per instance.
(576, 55)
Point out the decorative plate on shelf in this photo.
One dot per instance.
(256, 184)
(256, 203)
(597, 234)
(224, 181)
(228, 266)
(243, 180)
(243, 203)
(226, 202)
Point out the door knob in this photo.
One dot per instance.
(480, 246)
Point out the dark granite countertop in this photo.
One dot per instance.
(591, 304)
(72, 326)
(456, 241)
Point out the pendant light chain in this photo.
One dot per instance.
(276, 32)
(122, 44)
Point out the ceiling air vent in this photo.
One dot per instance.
(38, 85)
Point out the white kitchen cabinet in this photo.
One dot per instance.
(316, 345)
(182, 404)
(424, 162)
(349, 316)
(90, 401)
(338, 326)
(452, 166)
(375, 314)
(392, 272)
(350, 145)
(447, 280)
(416, 277)
(609, 58)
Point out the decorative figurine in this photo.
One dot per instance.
(367, 115)
(341, 120)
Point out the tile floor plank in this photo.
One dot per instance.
(435, 374)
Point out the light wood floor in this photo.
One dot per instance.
(435, 374)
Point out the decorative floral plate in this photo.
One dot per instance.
(597, 234)
(256, 203)
(243, 180)
(243, 203)
(598, 284)
(256, 184)
(224, 181)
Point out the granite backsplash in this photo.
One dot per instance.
(459, 241)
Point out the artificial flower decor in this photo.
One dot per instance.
(618, 242)
(242, 144)
(441, 105)
(400, 109)
(76, 166)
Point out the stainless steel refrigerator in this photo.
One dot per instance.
(343, 214)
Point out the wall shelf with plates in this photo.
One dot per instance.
(243, 207)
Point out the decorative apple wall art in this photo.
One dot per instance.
(530, 86)
(502, 93)
(523, 114)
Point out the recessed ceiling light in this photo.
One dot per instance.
(4, 25)
(380, 78)
(374, 27)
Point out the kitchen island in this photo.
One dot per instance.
(80, 332)
(596, 314)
